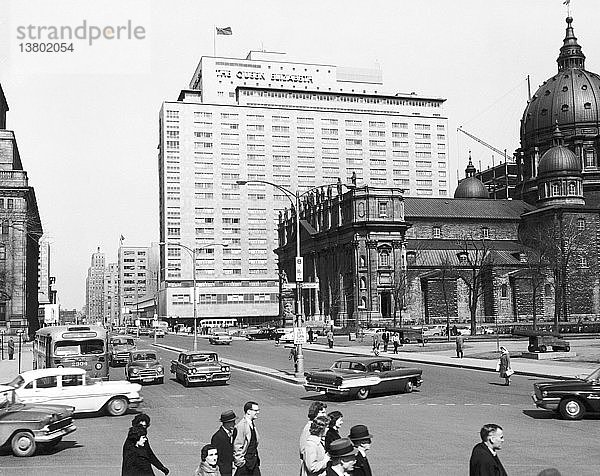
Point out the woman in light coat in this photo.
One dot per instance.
(504, 365)
(314, 457)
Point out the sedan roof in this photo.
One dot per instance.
(364, 360)
(33, 374)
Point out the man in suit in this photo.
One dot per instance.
(245, 444)
(361, 438)
(484, 458)
(223, 441)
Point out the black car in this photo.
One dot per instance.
(572, 399)
(263, 333)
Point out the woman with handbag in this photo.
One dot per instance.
(504, 365)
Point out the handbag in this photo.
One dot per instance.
(509, 372)
(498, 366)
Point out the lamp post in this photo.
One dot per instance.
(294, 198)
(192, 252)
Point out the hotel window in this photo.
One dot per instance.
(383, 210)
(172, 134)
(377, 143)
(281, 129)
(173, 144)
(329, 132)
(399, 144)
(353, 132)
(230, 126)
(198, 115)
(422, 145)
(400, 135)
(441, 137)
(305, 120)
(421, 135)
(424, 183)
(350, 122)
(437, 232)
(376, 124)
(172, 114)
(424, 192)
(399, 125)
(441, 127)
(376, 133)
(331, 122)
(384, 258)
(422, 127)
(581, 224)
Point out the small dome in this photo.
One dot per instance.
(471, 187)
(559, 159)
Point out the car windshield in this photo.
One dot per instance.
(122, 342)
(203, 358)
(594, 376)
(86, 347)
(144, 356)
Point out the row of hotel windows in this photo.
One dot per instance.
(309, 120)
(173, 145)
(184, 299)
(307, 134)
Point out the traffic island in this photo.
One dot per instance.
(548, 355)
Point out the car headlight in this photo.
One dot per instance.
(98, 366)
(60, 366)
(544, 394)
(226, 369)
(160, 369)
(134, 371)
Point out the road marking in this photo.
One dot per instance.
(469, 404)
(449, 404)
(505, 404)
(431, 404)
(377, 404)
(486, 404)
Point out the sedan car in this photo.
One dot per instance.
(144, 366)
(572, 399)
(25, 427)
(220, 337)
(262, 334)
(72, 386)
(119, 348)
(360, 377)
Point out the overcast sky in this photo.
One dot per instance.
(87, 121)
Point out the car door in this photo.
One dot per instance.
(594, 396)
(74, 392)
(41, 390)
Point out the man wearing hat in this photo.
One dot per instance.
(343, 457)
(223, 441)
(361, 438)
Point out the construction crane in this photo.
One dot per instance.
(484, 143)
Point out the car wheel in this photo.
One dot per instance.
(408, 386)
(571, 409)
(531, 348)
(117, 406)
(23, 444)
(543, 348)
(362, 393)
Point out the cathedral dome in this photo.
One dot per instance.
(471, 186)
(571, 98)
(559, 159)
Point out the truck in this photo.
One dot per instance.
(200, 367)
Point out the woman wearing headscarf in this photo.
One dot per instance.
(333, 433)
(314, 457)
(504, 365)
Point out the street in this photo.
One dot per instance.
(429, 431)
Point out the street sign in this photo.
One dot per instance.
(310, 285)
(299, 268)
(300, 335)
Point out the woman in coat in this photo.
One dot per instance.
(333, 433)
(504, 365)
(136, 461)
(314, 457)
(208, 462)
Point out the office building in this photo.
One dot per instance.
(137, 270)
(111, 294)
(295, 125)
(94, 284)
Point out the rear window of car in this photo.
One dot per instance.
(144, 356)
(72, 380)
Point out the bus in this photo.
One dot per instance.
(218, 322)
(72, 346)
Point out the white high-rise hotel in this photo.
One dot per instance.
(296, 125)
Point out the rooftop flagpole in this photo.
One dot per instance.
(215, 41)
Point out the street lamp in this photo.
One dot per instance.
(294, 198)
(192, 252)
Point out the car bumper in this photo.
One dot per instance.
(327, 390)
(43, 436)
(196, 378)
(145, 378)
(135, 402)
(546, 403)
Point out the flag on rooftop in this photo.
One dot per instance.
(122, 238)
(224, 31)
(566, 2)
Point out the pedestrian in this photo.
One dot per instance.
(314, 457)
(385, 338)
(343, 458)
(333, 433)
(376, 341)
(454, 330)
(396, 342)
(208, 466)
(330, 338)
(311, 335)
(135, 457)
(484, 458)
(504, 365)
(361, 438)
(245, 445)
(222, 440)
(294, 357)
(141, 420)
(316, 409)
(460, 344)
(11, 348)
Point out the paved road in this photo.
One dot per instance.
(427, 432)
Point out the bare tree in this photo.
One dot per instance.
(474, 268)
(447, 272)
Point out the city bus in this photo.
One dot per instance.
(72, 346)
(218, 322)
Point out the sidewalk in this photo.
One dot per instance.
(9, 369)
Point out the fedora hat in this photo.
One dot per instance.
(342, 447)
(229, 415)
(359, 432)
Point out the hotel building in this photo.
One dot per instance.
(94, 284)
(296, 125)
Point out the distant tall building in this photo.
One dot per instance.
(20, 231)
(94, 302)
(295, 125)
(137, 277)
(111, 294)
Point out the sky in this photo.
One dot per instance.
(86, 121)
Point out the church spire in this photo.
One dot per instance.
(570, 55)
(470, 171)
(557, 137)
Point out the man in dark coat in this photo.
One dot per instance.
(361, 438)
(142, 420)
(223, 441)
(11, 348)
(484, 458)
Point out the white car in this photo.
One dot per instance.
(71, 386)
(220, 337)
(287, 337)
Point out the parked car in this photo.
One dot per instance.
(541, 341)
(144, 331)
(71, 386)
(158, 331)
(25, 427)
(572, 399)
(264, 333)
(220, 337)
(119, 348)
(144, 366)
(288, 337)
(200, 367)
(360, 377)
